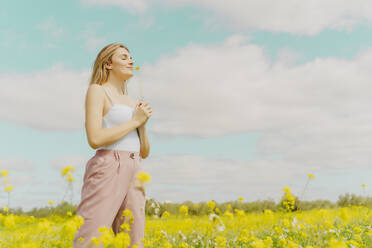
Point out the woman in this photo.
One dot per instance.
(115, 126)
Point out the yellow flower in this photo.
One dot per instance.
(286, 189)
(183, 245)
(6, 209)
(69, 213)
(4, 173)
(228, 214)
(240, 198)
(125, 226)
(137, 68)
(337, 244)
(220, 241)
(143, 177)
(71, 179)
(51, 202)
(311, 176)
(184, 209)
(211, 205)
(9, 188)
(95, 241)
(363, 185)
(127, 212)
(165, 214)
(218, 211)
(268, 242)
(67, 169)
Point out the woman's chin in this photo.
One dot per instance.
(128, 76)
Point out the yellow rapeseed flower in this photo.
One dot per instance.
(184, 209)
(220, 241)
(337, 244)
(51, 202)
(228, 214)
(363, 185)
(311, 176)
(71, 179)
(165, 214)
(137, 68)
(9, 188)
(127, 212)
(125, 226)
(67, 169)
(95, 241)
(6, 209)
(211, 205)
(4, 173)
(143, 177)
(286, 189)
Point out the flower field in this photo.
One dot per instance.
(335, 228)
(289, 224)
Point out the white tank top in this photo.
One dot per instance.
(118, 114)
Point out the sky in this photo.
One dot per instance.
(248, 97)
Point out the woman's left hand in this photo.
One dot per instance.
(147, 108)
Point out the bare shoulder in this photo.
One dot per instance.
(94, 92)
(95, 89)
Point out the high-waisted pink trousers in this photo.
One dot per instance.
(110, 186)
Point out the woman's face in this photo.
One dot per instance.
(122, 64)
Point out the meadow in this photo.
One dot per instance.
(291, 223)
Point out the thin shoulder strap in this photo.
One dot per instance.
(108, 95)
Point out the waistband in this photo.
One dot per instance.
(119, 153)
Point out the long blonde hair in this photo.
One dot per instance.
(100, 73)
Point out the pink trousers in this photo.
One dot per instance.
(110, 186)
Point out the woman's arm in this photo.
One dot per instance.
(145, 145)
(98, 136)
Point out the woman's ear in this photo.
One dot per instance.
(108, 66)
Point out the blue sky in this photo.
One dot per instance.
(243, 106)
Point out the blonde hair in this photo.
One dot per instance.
(100, 73)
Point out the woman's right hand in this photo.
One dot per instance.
(142, 112)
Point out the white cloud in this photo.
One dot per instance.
(314, 116)
(295, 17)
(43, 99)
(317, 111)
(133, 7)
